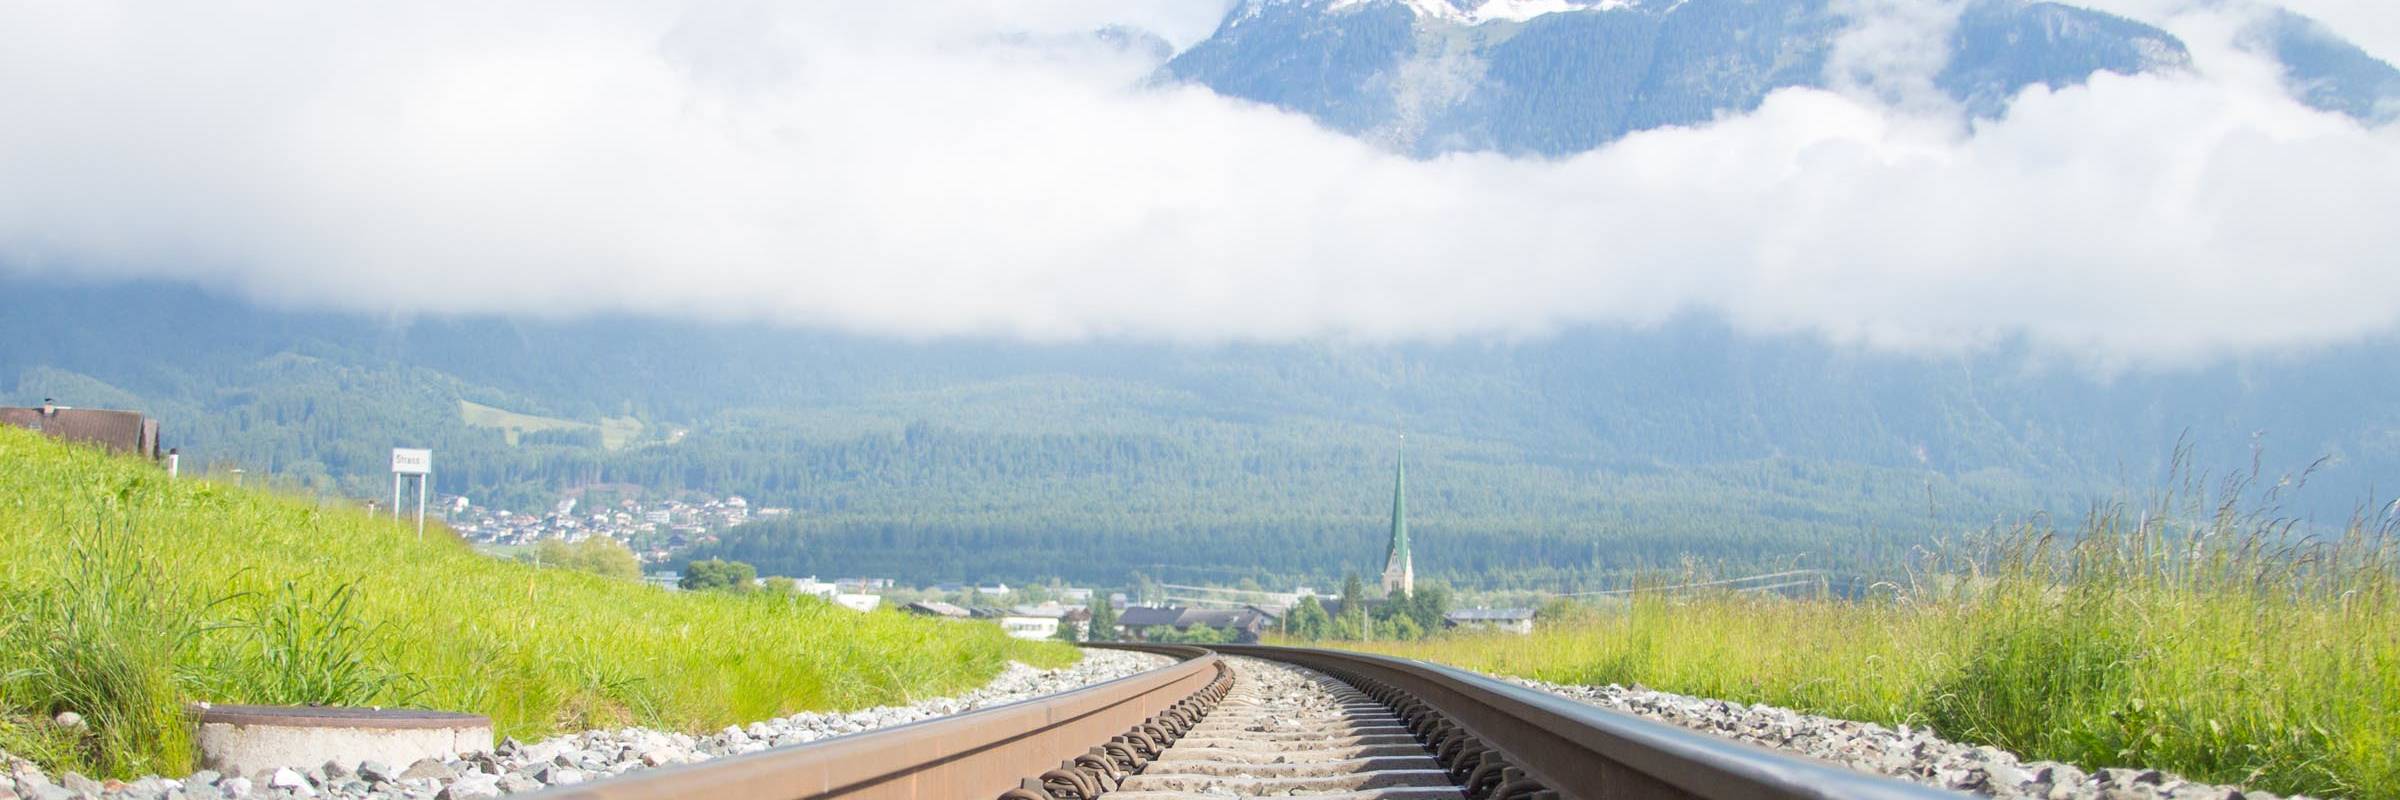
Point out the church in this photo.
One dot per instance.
(1399, 571)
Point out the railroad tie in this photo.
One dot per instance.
(1286, 731)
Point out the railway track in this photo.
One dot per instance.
(1290, 731)
(1249, 721)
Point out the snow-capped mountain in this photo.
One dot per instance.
(1554, 77)
(1477, 12)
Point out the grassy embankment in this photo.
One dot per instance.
(2206, 648)
(124, 595)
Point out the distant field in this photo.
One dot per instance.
(2204, 653)
(615, 432)
(130, 594)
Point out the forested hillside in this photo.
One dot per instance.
(1552, 463)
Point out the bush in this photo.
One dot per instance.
(303, 644)
(598, 555)
(718, 575)
(98, 636)
(1309, 620)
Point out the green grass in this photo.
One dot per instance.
(2220, 649)
(615, 432)
(127, 595)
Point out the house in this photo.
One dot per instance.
(936, 608)
(124, 432)
(994, 590)
(1027, 626)
(858, 602)
(1144, 622)
(1075, 618)
(1513, 620)
(1139, 621)
(1247, 623)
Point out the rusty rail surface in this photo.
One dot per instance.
(1501, 740)
(980, 754)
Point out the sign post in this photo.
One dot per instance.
(407, 461)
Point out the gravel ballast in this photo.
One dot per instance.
(565, 760)
(1908, 753)
(1287, 731)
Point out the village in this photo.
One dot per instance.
(658, 532)
(1129, 621)
(1166, 612)
(655, 532)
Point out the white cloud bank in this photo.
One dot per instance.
(909, 169)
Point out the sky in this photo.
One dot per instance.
(986, 168)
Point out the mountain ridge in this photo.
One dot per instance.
(1553, 77)
(1553, 460)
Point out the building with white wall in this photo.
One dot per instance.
(1513, 620)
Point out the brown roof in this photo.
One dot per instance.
(938, 609)
(1222, 618)
(1140, 616)
(120, 431)
(1180, 617)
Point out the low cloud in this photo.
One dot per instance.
(900, 170)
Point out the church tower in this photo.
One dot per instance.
(1399, 572)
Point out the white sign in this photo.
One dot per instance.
(412, 462)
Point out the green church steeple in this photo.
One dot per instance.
(1399, 570)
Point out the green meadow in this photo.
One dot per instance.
(127, 595)
(615, 432)
(2197, 638)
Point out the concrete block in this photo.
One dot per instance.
(235, 738)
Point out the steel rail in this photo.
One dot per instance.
(1498, 741)
(979, 754)
(1549, 746)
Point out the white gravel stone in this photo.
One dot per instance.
(600, 754)
(287, 778)
(471, 786)
(1913, 754)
